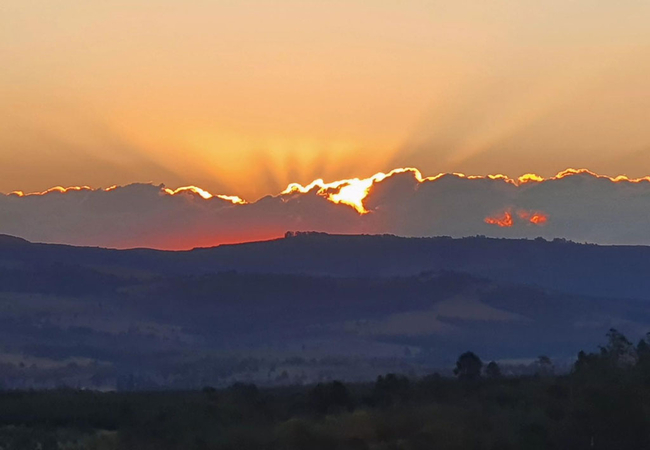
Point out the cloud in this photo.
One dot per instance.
(577, 205)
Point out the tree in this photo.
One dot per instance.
(606, 365)
(468, 366)
(619, 351)
(330, 398)
(493, 370)
(544, 366)
(643, 349)
(391, 389)
(643, 358)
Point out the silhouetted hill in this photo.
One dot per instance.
(7, 241)
(618, 271)
(559, 264)
(305, 308)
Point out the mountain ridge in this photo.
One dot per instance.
(612, 271)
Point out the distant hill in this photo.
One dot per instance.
(619, 271)
(305, 308)
(7, 241)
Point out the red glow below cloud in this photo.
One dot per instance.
(506, 219)
(503, 220)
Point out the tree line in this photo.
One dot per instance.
(603, 403)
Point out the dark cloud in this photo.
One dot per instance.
(578, 206)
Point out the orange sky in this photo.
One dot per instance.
(244, 97)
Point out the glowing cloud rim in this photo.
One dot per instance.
(581, 205)
(235, 200)
(352, 192)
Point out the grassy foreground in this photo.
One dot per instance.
(603, 404)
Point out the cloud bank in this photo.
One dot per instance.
(576, 204)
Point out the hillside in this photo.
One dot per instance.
(305, 308)
(617, 271)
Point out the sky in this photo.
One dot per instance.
(244, 97)
(335, 116)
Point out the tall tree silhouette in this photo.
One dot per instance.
(493, 370)
(468, 366)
